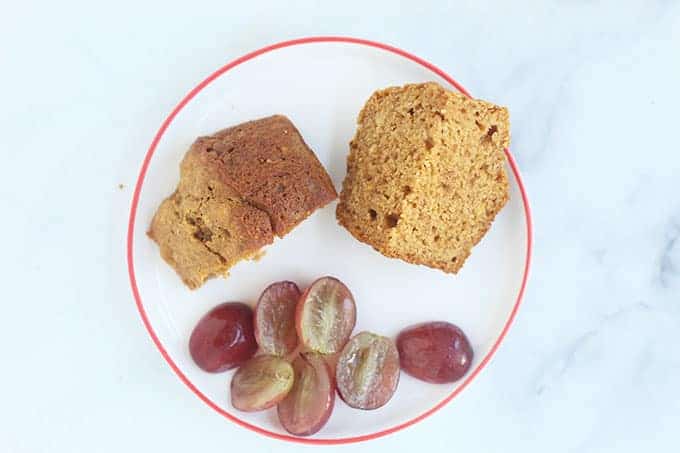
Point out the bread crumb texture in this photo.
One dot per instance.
(425, 174)
(238, 189)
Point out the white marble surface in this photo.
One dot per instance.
(592, 363)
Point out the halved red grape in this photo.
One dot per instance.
(223, 338)
(261, 383)
(308, 405)
(435, 352)
(275, 318)
(326, 316)
(367, 371)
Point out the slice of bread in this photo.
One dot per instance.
(425, 174)
(238, 189)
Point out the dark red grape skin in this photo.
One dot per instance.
(437, 352)
(223, 339)
(308, 405)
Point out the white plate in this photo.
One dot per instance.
(320, 84)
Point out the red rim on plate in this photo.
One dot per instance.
(133, 213)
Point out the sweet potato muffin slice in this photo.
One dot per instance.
(425, 174)
(238, 189)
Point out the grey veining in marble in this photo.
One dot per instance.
(592, 363)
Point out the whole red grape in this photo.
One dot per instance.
(437, 352)
(223, 339)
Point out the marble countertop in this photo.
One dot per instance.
(592, 362)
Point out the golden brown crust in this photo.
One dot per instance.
(237, 189)
(425, 174)
(268, 163)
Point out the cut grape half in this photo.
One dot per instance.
(367, 372)
(261, 383)
(275, 319)
(325, 316)
(308, 405)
